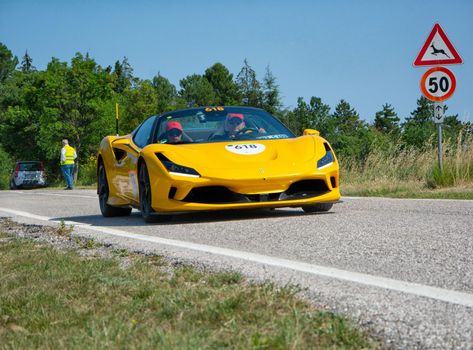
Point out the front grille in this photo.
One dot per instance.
(222, 195)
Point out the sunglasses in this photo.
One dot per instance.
(174, 132)
(235, 121)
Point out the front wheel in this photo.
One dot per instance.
(145, 198)
(106, 209)
(317, 207)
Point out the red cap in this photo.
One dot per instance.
(235, 115)
(173, 125)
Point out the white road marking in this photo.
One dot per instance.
(446, 295)
(54, 194)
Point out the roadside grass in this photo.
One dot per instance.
(56, 299)
(411, 173)
(405, 190)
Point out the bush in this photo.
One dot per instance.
(87, 171)
(457, 167)
(6, 165)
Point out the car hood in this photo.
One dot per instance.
(243, 157)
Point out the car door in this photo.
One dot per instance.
(127, 152)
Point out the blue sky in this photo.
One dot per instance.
(360, 51)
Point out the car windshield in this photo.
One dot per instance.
(30, 166)
(217, 124)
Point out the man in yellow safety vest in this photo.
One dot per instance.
(68, 156)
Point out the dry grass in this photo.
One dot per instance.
(409, 172)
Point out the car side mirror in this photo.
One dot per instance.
(122, 142)
(310, 132)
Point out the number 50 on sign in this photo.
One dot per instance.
(438, 84)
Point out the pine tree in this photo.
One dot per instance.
(423, 112)
(386, 120)
(347, 119)
(225, 89)
(271, 96)
(27, 64)
(419, 127)
(123, 76)
(249, 86)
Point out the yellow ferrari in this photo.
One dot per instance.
(214, 158)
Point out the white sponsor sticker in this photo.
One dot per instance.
(246, 148)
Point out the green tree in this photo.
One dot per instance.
(351, 137)
(8, 62)
(386, 121)
(19, 115)
(419, 128)
(347, 119)
(5, 169)
(166, 94)
(225, 89)
(71, 100)
(249, 87)
(27, 64)
(122, 76)
(271, 95)
(197, 91)
(140, 104)
(312, 115)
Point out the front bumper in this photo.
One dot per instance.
(178, 194)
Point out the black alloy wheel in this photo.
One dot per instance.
(146, 209)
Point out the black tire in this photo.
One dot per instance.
(147, 211)
(317, 207)
(106, 209)
(12, 185)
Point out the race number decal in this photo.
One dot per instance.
(246, 148)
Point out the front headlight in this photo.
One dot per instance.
(327, 159)
(176, 169)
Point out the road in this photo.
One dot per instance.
(401, 268)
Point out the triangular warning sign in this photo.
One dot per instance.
(437, 50)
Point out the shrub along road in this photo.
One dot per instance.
(402, 268)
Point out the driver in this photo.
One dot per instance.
(233, 126)
(234, 123)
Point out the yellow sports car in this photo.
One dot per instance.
(214, 158)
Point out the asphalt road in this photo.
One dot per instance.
(401, 268)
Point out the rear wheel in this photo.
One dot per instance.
(145, 198)
(13, 185)
(106, 209)
(317, 207)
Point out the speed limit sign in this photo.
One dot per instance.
(438, 84)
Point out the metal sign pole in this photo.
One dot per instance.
(440, 146)
(439, 111)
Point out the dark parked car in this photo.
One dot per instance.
(28, 174)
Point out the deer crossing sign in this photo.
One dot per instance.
(437, 50)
